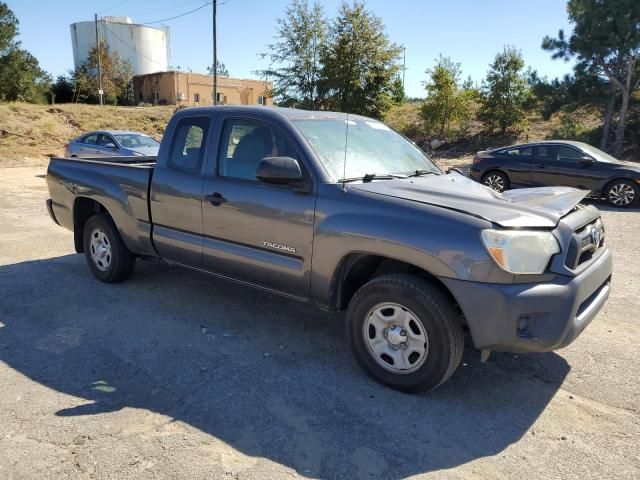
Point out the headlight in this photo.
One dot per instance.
(520, 251)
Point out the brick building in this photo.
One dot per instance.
(183, 88)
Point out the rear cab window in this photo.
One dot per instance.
(187, 147)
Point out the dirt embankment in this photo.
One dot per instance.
(35, 132)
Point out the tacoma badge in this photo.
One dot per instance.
(277, 246)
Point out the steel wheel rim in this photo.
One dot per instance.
(494, 182)
(395, 338)
(622, 194)
(100, 247)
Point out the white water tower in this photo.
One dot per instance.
(146, 48)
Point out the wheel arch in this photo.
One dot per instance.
(356, 269)
(83, 209)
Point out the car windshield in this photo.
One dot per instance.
(372, 148)
(133, 140)
(598, 154)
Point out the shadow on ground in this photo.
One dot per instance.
(271, 377)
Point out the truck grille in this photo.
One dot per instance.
(585, 243)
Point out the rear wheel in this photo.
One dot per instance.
(405, 332)
(495, 180)
(622, 193)
(106, 254)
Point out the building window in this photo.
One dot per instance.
(220, 98)
(196, 98)
(261, 101)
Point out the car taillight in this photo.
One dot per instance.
(66, 145)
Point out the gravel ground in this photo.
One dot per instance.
(176, 375)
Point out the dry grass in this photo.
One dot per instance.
(43, 130)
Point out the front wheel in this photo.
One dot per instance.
(107, 256)
(405, 332)
(622, 193)
(497, 181)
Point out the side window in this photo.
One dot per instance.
(91, 139)
(521, 152)
(245, 143)
(187, 148)
(105, 139)
(569, 153)
(545, 153)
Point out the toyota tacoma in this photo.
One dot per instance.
(342, 212)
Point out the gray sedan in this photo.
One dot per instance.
(112, 143)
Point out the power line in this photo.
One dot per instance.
(113, 6)
(178, 16)
(167, 9)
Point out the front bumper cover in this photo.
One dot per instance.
(533, 317)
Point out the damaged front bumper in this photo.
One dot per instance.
(533, 317)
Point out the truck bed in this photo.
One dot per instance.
(120, 185)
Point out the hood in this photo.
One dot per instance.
(146, 151)
(530, 207)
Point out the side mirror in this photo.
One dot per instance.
(587, 161)
(279, 171)
(110, 145)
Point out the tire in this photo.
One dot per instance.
(496, 180)
(622, 194)
(418, 306)
(106, 254)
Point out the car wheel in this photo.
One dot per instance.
(405, 332)
(622, 193)
(497, 181)
(108, 257)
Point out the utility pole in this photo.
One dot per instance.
(100, 91)
(404, 62)
(215, 57)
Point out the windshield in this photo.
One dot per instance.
(132, 140)
(598, 154)
(372, 148)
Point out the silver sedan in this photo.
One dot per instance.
(112, 143)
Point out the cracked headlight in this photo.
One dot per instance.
(520, 251)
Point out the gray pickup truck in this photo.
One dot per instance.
(343, 212)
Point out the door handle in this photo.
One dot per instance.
(540, 165)
(215, 199)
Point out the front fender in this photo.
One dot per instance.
(442, 242)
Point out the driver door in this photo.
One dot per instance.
(257, 233)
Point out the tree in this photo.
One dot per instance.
(21, 77)
(398, 95)
(63, 89)
(505, 91)
(359, 63)
(446, 102)
(295, 56)
(221, 70)
(116, 76)
(606, 42)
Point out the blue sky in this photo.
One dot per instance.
(468, 31)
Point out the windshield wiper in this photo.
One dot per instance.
(419, 173)
(367, 177)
